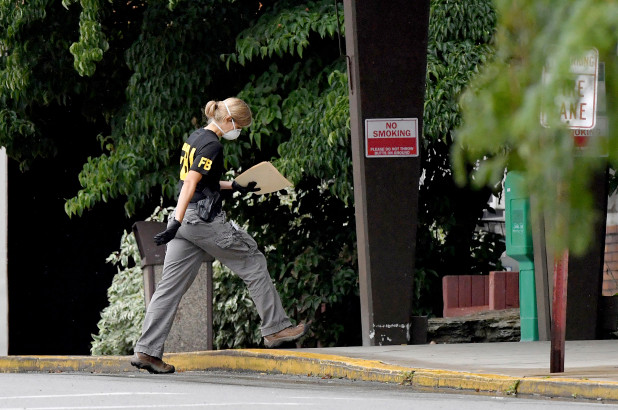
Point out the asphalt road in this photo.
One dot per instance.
(223, 390)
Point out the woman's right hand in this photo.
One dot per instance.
(167, 235)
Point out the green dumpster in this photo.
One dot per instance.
(519, 247)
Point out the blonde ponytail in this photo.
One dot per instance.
(239, 110)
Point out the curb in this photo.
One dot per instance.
(59, 364)
(327, 366)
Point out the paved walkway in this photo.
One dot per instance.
(594, 360)
(591, 367)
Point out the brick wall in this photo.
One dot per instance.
(466, 294)
(610, 267)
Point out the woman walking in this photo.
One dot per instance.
(199, 226)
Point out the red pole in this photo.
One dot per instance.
(558, 322)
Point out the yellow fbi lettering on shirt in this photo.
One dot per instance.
(186, 161)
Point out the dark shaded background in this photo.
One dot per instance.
(57, 274)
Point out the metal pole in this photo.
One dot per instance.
(541, 272)
(559, 302)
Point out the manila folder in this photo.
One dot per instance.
(267, 177)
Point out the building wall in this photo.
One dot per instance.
(610, 266)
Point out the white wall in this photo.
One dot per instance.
(612, 210)
(4, 289)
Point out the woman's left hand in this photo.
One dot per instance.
(251, 187)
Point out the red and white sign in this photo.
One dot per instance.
(577, 105)
(391, 137)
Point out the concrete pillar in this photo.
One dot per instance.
(192, 327)
(386, 47)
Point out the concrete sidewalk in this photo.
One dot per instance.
(591, 367)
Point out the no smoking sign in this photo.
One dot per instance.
(391, 137)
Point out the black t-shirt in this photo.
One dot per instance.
(203, 153)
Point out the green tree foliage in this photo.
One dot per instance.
(301, 118)
(172, 63)
(501, 127)
(23, 72)
(298, 94)
(460, 34)
(92, 42)
(38, 82)
(317, 120)
(121, 322)
(140, 72)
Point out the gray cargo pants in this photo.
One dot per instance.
(235, 249)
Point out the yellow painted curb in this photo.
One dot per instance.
(323, 365)
(52, 364)
(328, 366)
(285, 362)
(572, 388)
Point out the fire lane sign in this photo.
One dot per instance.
(577, 105)
(391, 137)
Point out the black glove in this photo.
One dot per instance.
(168, 234)
(245, 189)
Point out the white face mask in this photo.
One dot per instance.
(233, 133)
